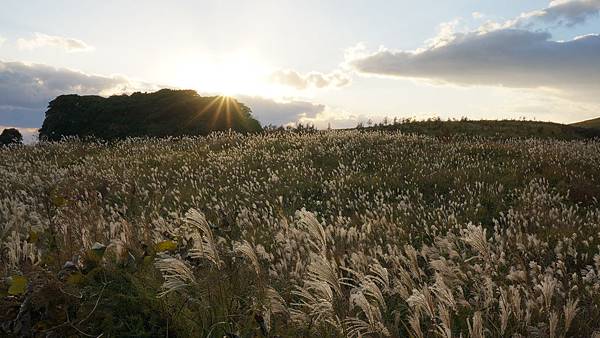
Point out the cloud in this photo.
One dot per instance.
(336, 118)
(562, 12)
(299, 81)
(478, 15)
(2, 40)
(26, 89)
(268, 111)
(44, 40)
(502, 57)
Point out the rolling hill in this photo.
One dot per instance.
(593, 123)
(495, 129)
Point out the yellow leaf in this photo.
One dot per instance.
(33, 236)
(59, 201)
(75, 278)
(18, 285)
(165, 246)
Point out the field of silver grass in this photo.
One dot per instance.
(332, 234)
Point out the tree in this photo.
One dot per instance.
(163, 113)
(11, 136)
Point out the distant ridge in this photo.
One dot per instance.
(494, 128)
(593, 123)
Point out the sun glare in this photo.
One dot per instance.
(234, 74)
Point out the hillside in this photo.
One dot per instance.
(163, 113)
(493, 129)
(593, 123)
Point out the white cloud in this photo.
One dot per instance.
(44, 40)
(299, 81)
(478, 15)
(446, 34)
(335, 118)
(2, 40)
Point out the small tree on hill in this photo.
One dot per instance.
(11, 136)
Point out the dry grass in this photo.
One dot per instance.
(356, 234)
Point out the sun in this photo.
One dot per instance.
(239, 73)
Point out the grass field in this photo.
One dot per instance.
(331, 234)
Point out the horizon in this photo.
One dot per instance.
(335, 63)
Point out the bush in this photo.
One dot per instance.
(10, 136)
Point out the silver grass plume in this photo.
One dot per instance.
(476, 328)
(317, 235)
(176, 273)
(276, 302)
(476, 237)
(204, 242)
(357, 327)
(570, 311)
(247, 250)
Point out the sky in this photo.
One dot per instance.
(322, 62)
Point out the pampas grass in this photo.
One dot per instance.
(334, 234)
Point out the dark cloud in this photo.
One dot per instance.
(31, 85)
(503, 57)
(26, 89)
(268, 111)
(21, 117)
(563, 12)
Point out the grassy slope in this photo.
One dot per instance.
(593, 123)
(501, 129)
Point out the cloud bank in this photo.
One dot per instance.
(44, 40)
(506, 57)
(26, 89)
(504, 54)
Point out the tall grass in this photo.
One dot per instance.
(334, 234)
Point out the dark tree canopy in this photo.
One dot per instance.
(163, 113)
(10, 136)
